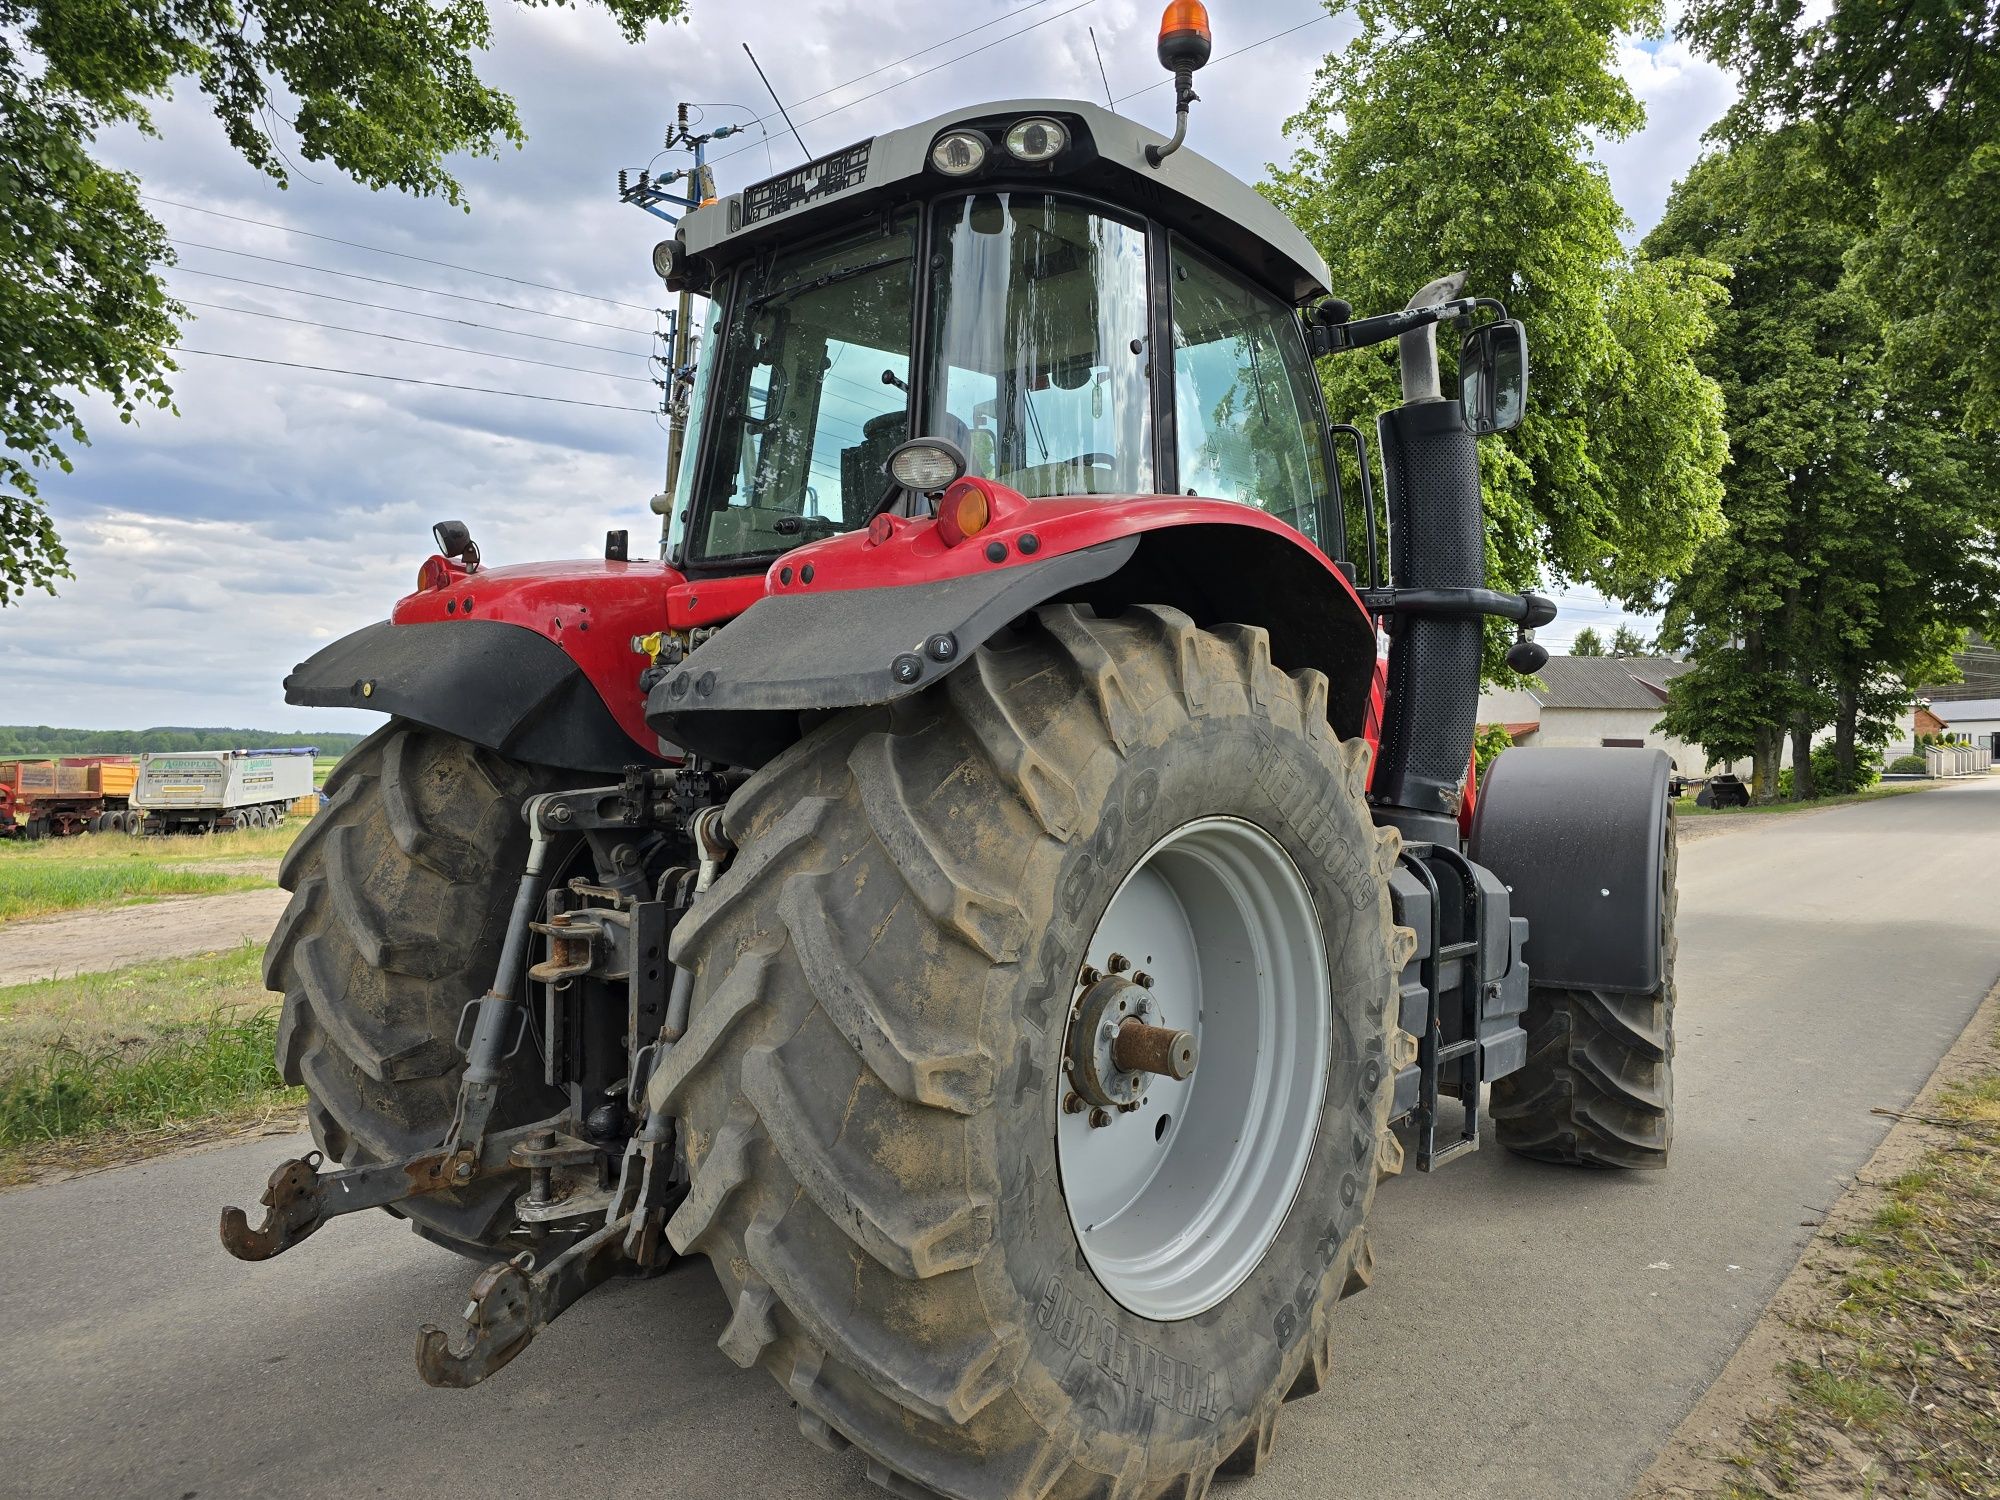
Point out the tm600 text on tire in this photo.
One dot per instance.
(400, 892)
(925, 1240)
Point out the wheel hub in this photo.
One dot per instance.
(1115, 1045)
(1195, 1070)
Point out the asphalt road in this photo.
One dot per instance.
(1532, 1332)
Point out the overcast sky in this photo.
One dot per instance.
(283, 507)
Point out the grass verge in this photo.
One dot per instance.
(115, 869)
(145, 1052)
(1895, 1384)
(1685, 806)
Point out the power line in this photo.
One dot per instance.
(403, 286)
(1260, 42)
(408, 312)
(397, 338)
(948, 62)
(912, 56)
(445, 385)
(334, 239)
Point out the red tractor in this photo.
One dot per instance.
(1004, 887)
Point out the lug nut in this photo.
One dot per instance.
(1099, 1118)
(1088, 976)
(1143, 980)
(1118, 963)
(1072, 1103)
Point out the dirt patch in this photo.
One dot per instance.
(265, 868)
(86, 942)
(1752, 1433)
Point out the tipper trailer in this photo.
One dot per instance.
(209, 791)
(1008, 882)
(72, 795)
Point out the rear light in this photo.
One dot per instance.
(959, 153)
(434, 574)
(963, 512)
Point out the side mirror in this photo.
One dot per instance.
(1493, 377)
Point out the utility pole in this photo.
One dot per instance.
(668, 198)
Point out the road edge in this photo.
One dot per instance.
(1694, 1460)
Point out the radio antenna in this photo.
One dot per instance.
(775, 99)
(1113, 103)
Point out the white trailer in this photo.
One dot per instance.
(203, 791)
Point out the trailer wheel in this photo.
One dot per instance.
(1598, 1087)
(400, 893)
(906, 986)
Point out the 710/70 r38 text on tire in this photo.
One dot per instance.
(871, 1082)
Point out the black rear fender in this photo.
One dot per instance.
(494, 684)
(1578, 837)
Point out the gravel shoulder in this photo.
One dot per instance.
(1708, 1454)
(87, 941)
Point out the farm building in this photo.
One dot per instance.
(1976, 720)
(1594, 700)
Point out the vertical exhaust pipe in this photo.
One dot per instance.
(1437, 539)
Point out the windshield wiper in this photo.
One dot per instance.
(843, 273)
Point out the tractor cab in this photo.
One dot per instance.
(1018, 281)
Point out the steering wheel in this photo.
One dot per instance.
(1089, 461)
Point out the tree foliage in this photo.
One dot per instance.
(1625, 641)
(29, 741)
(1587, 643)
(1456, 136)
(1861, 519)
(1903, 100)
(386, 90)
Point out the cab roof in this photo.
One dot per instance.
(1106, 157)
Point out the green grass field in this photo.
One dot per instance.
(116, 869)
(148, 1049)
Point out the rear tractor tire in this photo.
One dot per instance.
(400, 894)
(1598, 1088)
(946, 1255)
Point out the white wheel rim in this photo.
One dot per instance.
(1176, 1202)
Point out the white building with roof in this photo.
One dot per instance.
(1973, 719)
(1594, 700)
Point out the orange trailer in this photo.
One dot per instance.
(76, 794)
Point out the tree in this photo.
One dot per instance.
(1450, 136)
(1903, 100)
(385, 92)
(1860, 537)
(1587, 643)
(1625, 641)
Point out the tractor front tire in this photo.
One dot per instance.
(401, 887)
(872, 1083)
(1598, 1087)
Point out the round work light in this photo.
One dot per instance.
(1036, 139)
(958, 153)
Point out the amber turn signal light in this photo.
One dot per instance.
(963, 512)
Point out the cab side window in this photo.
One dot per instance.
(1245, 418)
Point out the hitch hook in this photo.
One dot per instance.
(291, 1212)
(509, 1306)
